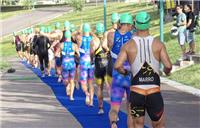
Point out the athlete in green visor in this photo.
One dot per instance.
(144, 54)
(120, 83)
(115, 21)
(72, 28)
(101, 62)
(67, 25)
(57, 25)
(86, 64)
(142, 21)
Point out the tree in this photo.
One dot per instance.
(76, 4)
(28, 4)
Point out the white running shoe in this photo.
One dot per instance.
(43, 75)
(87, 99)
(59, 79)
(101, 111)
(117, 118)
(71, 98)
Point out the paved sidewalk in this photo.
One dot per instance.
(27, 103)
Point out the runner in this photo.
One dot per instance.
(77, 39)
(23, 41)
(86, 66)
(18, 45)
(50, 51)
(35, 61)
(42, 44)
(75, 36)
(68, 63)
(66, 28)
(115, 21)
(56, 36)
(100, 64)
(144, 53)
(30, 40)
(120, 84)
(26, 45)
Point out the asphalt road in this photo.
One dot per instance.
(22, 21)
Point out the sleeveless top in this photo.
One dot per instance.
(68, 56)
(85, 59)
(101, 59)
(119, 40)
(145, 68)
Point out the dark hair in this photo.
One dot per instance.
(180, 6)
(189, 6)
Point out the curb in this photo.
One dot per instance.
(182, 87)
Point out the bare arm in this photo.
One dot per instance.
(110, 40)
(76, 49)
(92, 50)
(105, 42)
(165, 60)
(122, 57)
(189, 22)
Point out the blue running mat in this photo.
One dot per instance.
(86, 116)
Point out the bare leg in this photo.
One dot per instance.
(108, 84)
(113, 115)
(49, 67)
(91, 91)
(76, 78)
(100, 95)
(160, 123)
(192, 47)
(130, 119)
(183, 49)
(71, 89)
(85, 90)
(66, 82)
(59, 69)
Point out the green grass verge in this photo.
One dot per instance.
(7, 49)
(5, 15)
(94, 14)
(189, 76)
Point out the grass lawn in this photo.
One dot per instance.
(5, 15)
(189, 76)
(94, 15)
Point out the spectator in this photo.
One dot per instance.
(190, 28)
(181, 24)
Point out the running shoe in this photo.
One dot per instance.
(101, 111)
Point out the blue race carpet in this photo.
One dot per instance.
(86, 116)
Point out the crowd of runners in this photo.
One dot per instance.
(125, 59)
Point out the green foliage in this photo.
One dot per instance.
(76, 4)
(28, 4)
(189, 76)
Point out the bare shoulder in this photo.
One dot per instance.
(95, 39)
(129, 45)
(61, 45)
(158, 44)
(74, 45)
(110, 34)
